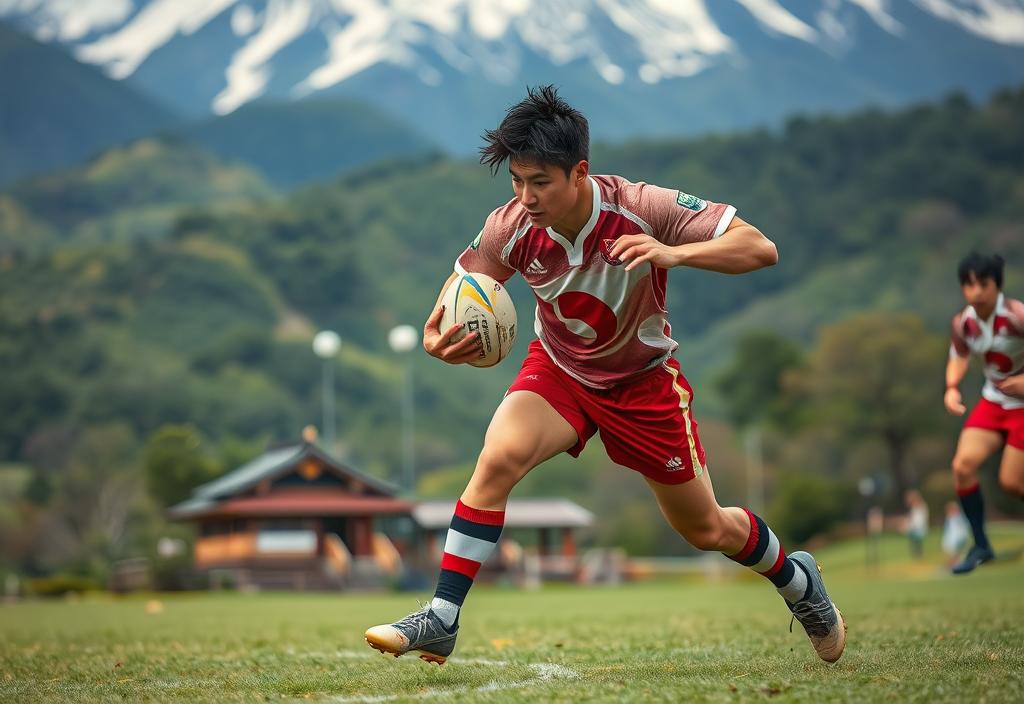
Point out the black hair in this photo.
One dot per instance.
(542, 129)
(983, 266)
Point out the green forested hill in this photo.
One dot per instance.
(55, 111)
(208, 318)
(128, 193)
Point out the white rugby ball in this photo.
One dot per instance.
(485, 307)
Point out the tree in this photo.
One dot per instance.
(752, 389)
(806, 505)
(751, 386)
(175, 463)
(879, 376)
(88, 519)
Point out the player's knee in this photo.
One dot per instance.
(503, 463)
(965, 470)
(708, 535)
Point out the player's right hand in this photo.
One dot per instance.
(439, 344)
(954, 402)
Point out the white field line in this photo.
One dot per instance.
(542, 672)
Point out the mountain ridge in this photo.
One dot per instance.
(75, 112)
(459, 62)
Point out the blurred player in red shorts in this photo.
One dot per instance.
(596, 251)
(991, 327)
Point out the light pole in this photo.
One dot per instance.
(402, 339)
(755, 467)
(325, 346)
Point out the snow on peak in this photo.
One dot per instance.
(623, 40)
(998, 20)
(69, 20)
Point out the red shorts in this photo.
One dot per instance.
(991, 416)
(646, 424)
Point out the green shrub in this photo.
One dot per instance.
(806, 505)
(61, 585)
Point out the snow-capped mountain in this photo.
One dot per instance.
(636, 66)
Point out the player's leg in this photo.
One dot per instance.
(974, 447)
(1011, 471)
(525, 431)
(691, 508)
(649, 427)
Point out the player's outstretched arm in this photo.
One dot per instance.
(740, 249)
(439, 343)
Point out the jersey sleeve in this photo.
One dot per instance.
(1016, 310)
(676, 217)
(485, 254)
(958, 343)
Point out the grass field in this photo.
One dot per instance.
(916, 635)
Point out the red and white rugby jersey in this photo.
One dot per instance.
(999, 341)
(600, 323)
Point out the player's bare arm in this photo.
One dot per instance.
(740, 249)
(439, 344)
(956, 369)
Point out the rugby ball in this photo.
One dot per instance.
(485, 307)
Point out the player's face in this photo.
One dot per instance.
(980, 293)
(546, 191)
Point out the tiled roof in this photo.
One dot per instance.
(269, 465)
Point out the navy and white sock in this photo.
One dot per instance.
(472, 537)
(763, 553)
(974, 512)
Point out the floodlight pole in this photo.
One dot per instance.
(409, 422)
(402, 339)
(326, 345)
(328, 402)
(755, 468)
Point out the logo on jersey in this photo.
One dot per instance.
(476, 242)
(536, 268)
(606, 249)
(691, 202)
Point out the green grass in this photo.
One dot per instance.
(916, 634)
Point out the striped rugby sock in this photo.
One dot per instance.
(763, 553)
(472, 537)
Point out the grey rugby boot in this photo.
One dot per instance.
(974, 557)
(421, 630)
(817, 614)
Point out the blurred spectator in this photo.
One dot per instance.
(955, 532)
(875, 525)
(917, 522)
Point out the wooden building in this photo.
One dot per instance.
(546, 526)
(295, 518)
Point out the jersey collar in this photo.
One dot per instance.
(574, 250)
(1000, 307)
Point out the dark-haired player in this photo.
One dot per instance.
(596, 251)
(992, 327)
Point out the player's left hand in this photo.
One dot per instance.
(637, 249)
(1012, 385)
